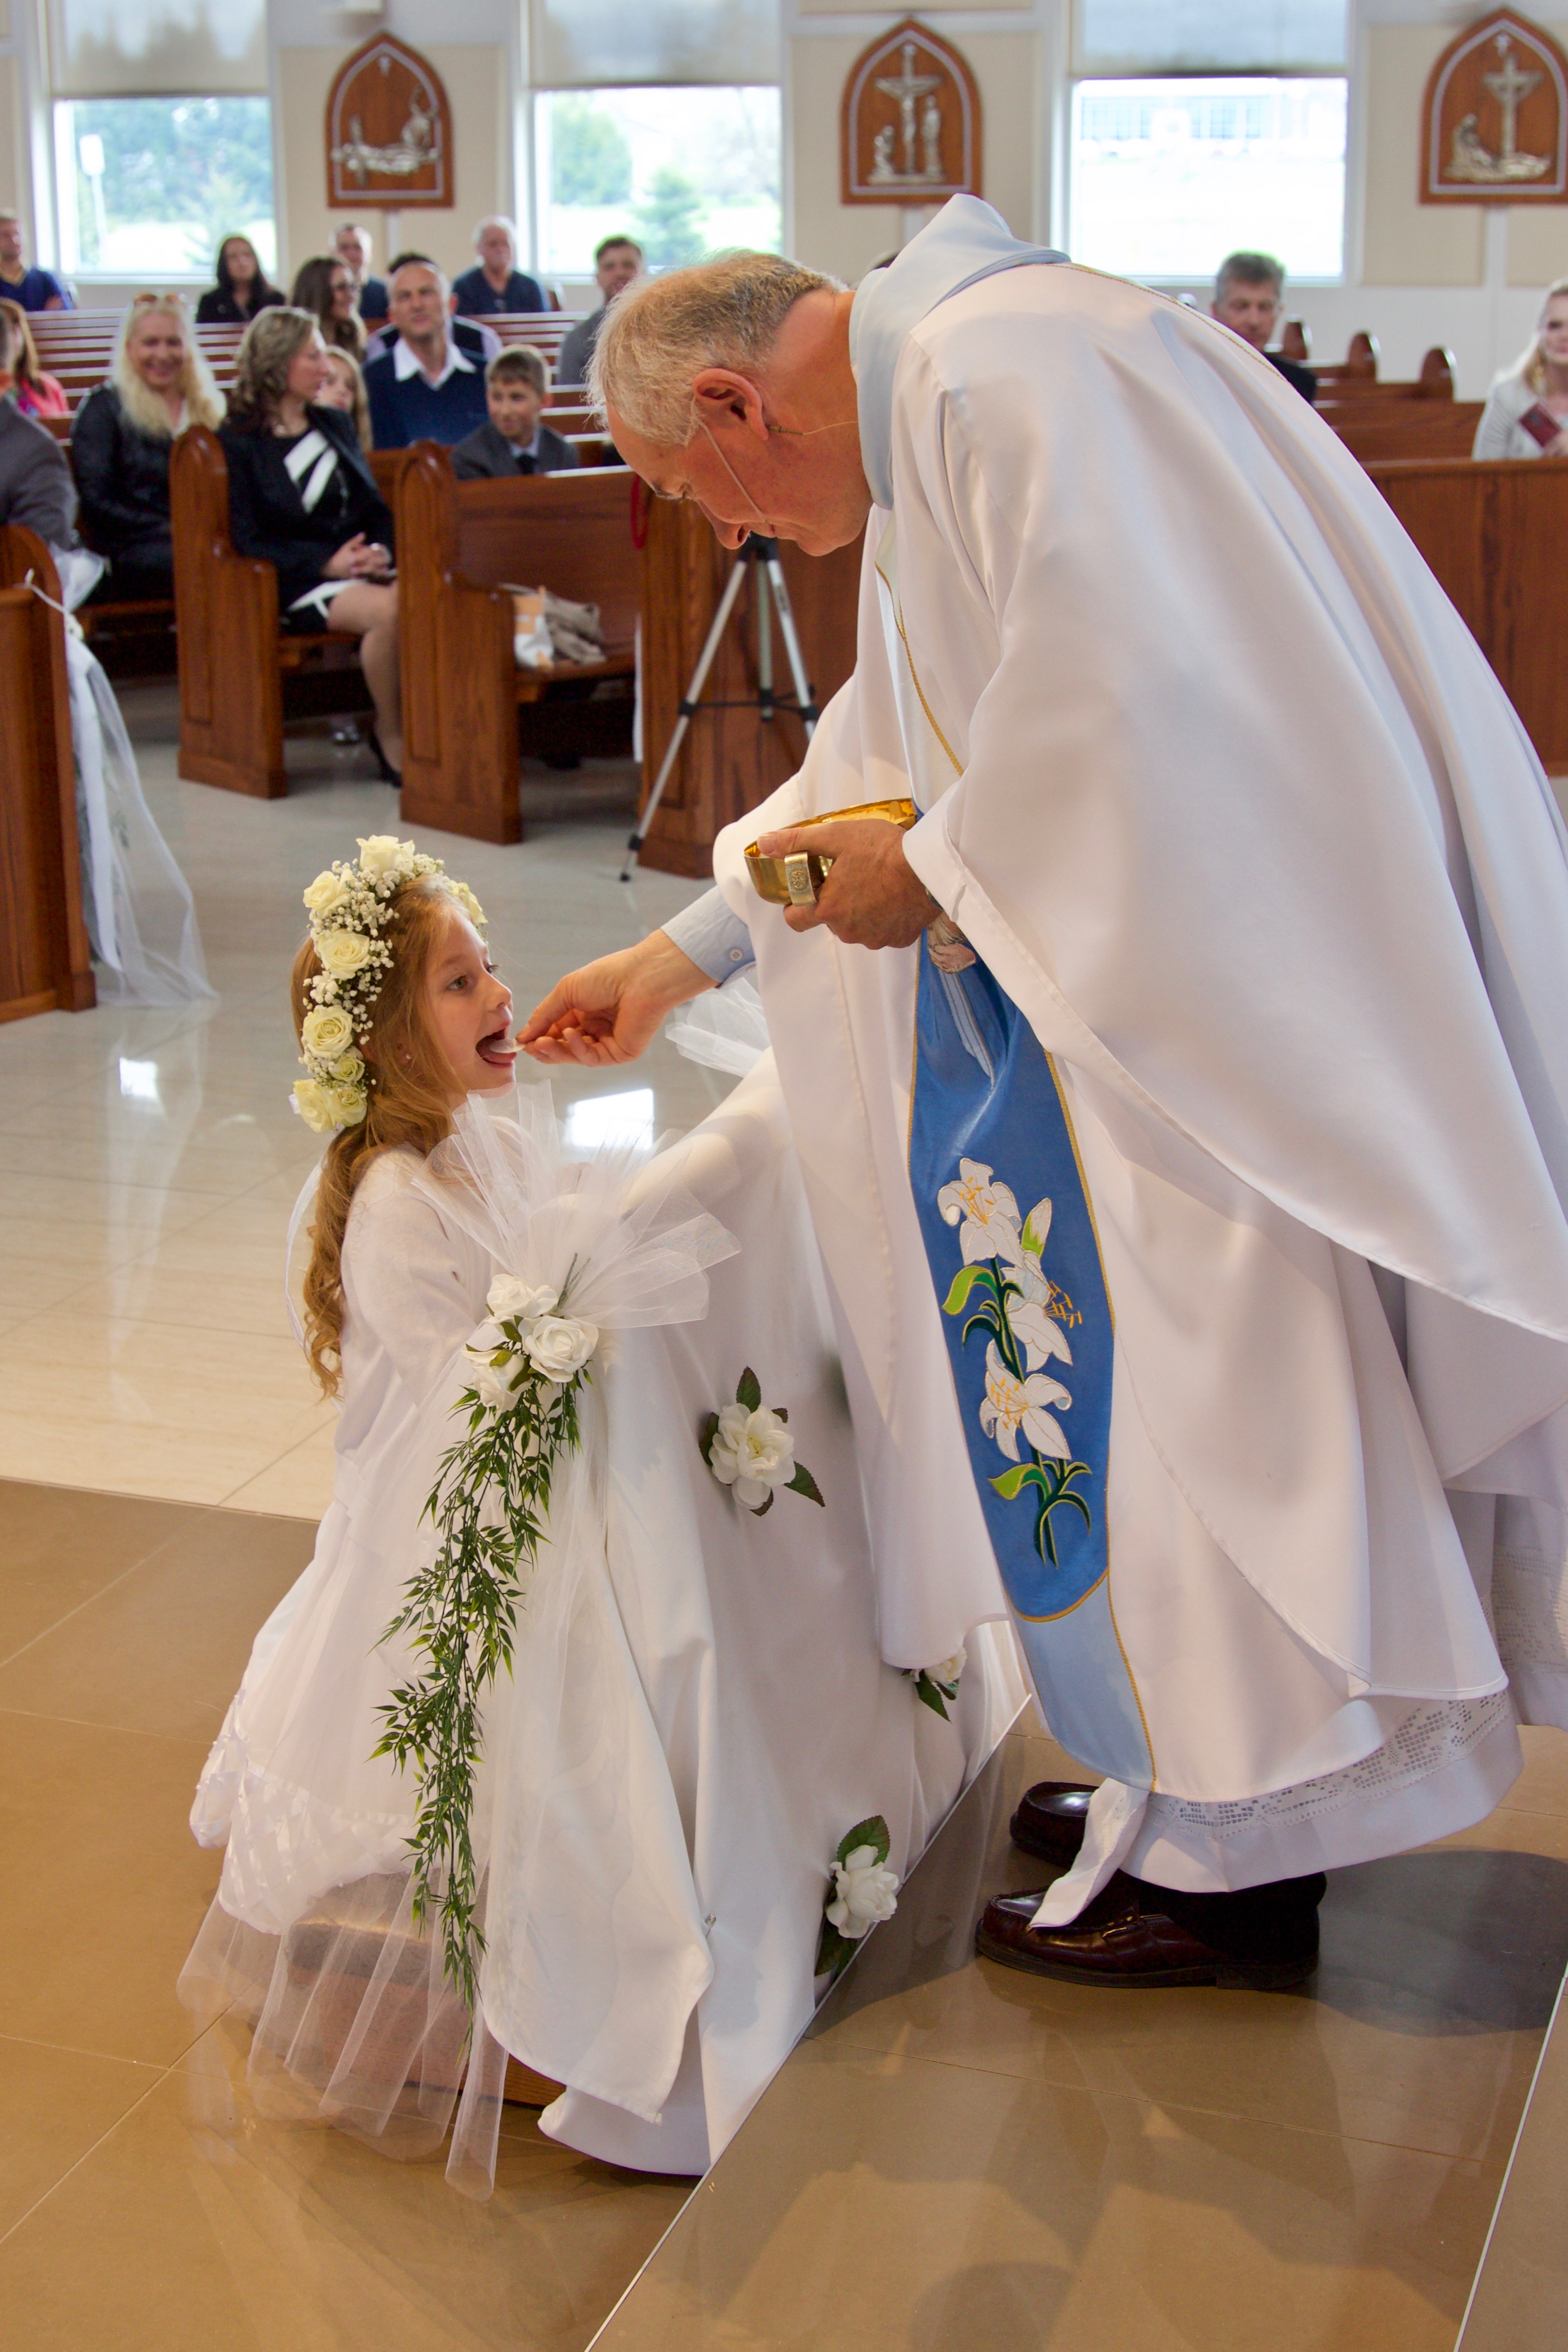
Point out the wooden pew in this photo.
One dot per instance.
(240, 676)
(731, 759)
(1359, 365)
(1376, 430)
(1493, 532)
(46, 963)
(463, 690)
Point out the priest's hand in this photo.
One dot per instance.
(872, 896)
(610, 1010)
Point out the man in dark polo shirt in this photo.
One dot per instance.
(34, 289)
(1248, 295)
(495, 282)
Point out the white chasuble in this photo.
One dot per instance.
(1239, 823)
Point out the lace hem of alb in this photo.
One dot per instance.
(1428, 1741)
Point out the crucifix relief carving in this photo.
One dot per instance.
(910, 122)
(1495, 127)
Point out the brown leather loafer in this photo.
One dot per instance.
(1050, 1818)
(1133, 1933)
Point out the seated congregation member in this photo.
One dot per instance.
(468, 335)
(1526, 414)
(495, 282)
(301, 497)
(617, 261)
(352, 245)
(1249, 294)
(243, 287)
(34, 289)
(36, 394)
(514, 440)
(325, 287)
(345, 390)
(427, 387)
(159, 383)
(36, 485)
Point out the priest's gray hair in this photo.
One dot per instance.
(657, 337)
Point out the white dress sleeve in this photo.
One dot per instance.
(415, 1288)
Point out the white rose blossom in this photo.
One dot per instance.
(866, 1892)
(311, 1101)
(511, 1299)
(327, 892)
(342, 953)
(752, 1452)
(326, 1032)
(385, 858)
(558, 1345)
(495, 1384)
(951, 1668)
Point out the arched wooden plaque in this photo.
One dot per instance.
(910, 129)
(1494, 122)
(389, 131)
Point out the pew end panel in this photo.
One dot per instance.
(463, 547)
(45, 962)
(1492, 532)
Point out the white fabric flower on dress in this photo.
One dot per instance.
(558, 1345)
(1010, 1406)
(512, 1300)
(866, 1892)
(951, 1668)
(751, 1451)
(985, 1213)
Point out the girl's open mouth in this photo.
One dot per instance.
(497, 1048)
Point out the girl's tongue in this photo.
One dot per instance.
(497, 1050)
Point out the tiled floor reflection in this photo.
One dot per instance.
(148, 1160)
(960, 2156)
(144, 2208)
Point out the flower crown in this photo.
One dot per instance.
(350, 907)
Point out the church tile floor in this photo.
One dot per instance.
(957, 2156)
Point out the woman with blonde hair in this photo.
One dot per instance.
(325, 287)
(158, 383)
(1526, 414)
(302, 499)
(36, 394)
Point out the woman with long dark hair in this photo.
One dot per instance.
(243, 287)
(302, 499)
(325, 287)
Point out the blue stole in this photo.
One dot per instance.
(1009, 1233)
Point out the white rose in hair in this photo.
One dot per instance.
(314, 1105)
(385, 858)
(468, 903)
(328, 1032)
(349, 1103)
(327, 891)
(349, 1068)
(342, 953)
(511, 1299)
(558, 1345)
(752, 1452)
(867, 1891)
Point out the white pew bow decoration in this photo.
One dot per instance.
(582, 1247)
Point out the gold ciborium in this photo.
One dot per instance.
(793, 881)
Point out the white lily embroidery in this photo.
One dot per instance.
(1010, 1406)
(1031, 1318)
(986, 1215)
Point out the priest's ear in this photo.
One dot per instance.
(726, 401)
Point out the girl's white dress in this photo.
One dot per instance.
(699, 1712)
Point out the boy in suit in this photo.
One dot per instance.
(514, 440)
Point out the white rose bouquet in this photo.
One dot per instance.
(581, 1248)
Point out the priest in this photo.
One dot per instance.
(1183, 1094)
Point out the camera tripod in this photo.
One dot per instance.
(764, 555)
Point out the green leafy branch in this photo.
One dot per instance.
(937, 1695)
(491, 1503)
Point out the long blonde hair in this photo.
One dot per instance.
(409, 1090)
(145, 409)
(1531, 365)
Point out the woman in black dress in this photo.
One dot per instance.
(301, 497)
(121, 439)
(325, 287)
(242, 290)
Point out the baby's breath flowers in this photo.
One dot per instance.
(350, 907)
